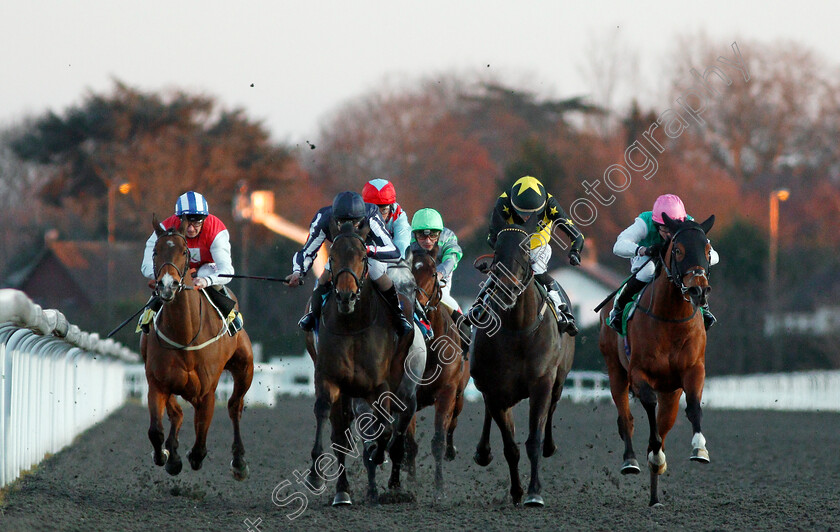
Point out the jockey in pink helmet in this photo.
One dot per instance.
(642, 243)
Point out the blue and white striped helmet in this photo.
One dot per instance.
(191, 203)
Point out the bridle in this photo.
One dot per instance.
(674, 274)
(529, 274)
(360, 279)
(437, 291)
(181, 272)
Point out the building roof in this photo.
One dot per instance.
(87, 264)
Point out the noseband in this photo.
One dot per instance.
(181, 273)
(674, 273)
(360, 280)
(436, 291)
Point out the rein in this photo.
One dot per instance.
(523, 283)
(359, 279)
(173, 345)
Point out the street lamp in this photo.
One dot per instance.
(114, 186)
(779, 194)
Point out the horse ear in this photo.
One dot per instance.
(156, 225)
(183, 228)
(707, 225)
(671, 224)
(532, 225)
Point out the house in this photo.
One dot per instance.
(73, 277)
(587, 286)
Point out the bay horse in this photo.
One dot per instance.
(446, 371)
(517, 352)
(357, 354)
(667, 340)
(185, 352)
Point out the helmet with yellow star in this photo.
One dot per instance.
(528, 195)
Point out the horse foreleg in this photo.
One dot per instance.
(157, 402)
(203, 418)
(405, 407)
(457, 407)
(325, 395)
(483, 456)
(176, 417)
(342, 438)
(411, 448)
(444, 404)
(656, 455)
(693, 391)
(549, 447)
(540, 405)
(504, 420)
(620, 390)
(241, 367)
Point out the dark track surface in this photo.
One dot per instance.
(769, 471)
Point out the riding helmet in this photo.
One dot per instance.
(528, 195)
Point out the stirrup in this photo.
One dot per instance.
(403, 325)
(614, 320)
(308, 321)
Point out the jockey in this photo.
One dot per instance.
(381, 193)
(528, 197)
(209, 243)
(429, 234)
(349, 206)
(427, 231)
(647, 237)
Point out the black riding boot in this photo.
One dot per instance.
(708, 318)
(630, 289)
(402, 325)
(310, 319)
(464, 330)
(566, 320)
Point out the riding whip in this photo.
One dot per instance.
(256, 277)
(614, 292)
(123, 324)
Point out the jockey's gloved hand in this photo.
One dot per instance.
(654, 250)
(574, 257)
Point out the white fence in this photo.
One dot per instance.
(55, 382)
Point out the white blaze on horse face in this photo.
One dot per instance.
(167, 280)
(170, 243)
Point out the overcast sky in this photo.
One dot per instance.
(306, 58)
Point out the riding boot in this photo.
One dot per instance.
(464, 331)
(565, 318)
(402, 325)
(708, 318)
(630, 289)
(310, 319)
(152, 307)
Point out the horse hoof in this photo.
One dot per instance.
(240, 473)
(165, 457)
(534, 501)
(631, 467)
(173, 467)
(699, 455)
(483, 459)
(451, 453)
(195, 463)
(657, 505)
(549, 450)
(342, 498)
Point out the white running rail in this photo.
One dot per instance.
(55, 382)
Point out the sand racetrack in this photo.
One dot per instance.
(769, 470)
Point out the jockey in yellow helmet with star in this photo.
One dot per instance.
(526, 198)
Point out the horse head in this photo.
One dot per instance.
(687, 258)
(348, 264)
(511, 268)
(171, 260)
(424, 267)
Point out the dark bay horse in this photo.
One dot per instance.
(357, 354)
(446, 373)
(185, 352)
(517, 352)
(668, 350)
